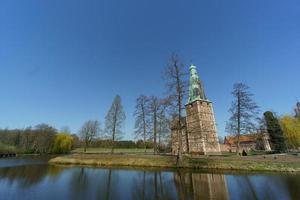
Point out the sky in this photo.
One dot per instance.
(62, 62)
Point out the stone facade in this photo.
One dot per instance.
(199, 133)
(201, 128)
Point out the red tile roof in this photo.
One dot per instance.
(243, 138)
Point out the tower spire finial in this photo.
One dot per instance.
(196, 91)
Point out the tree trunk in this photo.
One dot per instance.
(114, 130)
(113, 143)
(144, 126)
(239, 124)
(159, 136)
(85, 146)
(187, 141)
(179, 134)
(155, 131)
(179, 98)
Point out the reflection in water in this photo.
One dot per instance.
(90, 183)
(264, 187)
(42, 181)
(152, 185)
(200, 186)
(28, 175)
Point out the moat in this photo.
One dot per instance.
(33, 178)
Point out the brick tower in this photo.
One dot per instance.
(200, 121)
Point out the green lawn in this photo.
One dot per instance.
(116, 150)
(283, 163)
(7, 149)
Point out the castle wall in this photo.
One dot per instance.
(201, 128)
(175, 142)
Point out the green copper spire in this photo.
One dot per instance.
(196, 91)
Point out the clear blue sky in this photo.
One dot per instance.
(63, 61)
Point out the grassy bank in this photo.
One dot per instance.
(108, 150)
(254, 163)
(8, 149)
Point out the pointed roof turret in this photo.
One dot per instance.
(196, 91)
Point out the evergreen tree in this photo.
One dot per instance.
(275, 132)
(243, 112)
(114, 121)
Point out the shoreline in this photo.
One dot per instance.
(250, 164)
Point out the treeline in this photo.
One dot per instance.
(153, 114)
(41, 139)
(44, 139)
(126, 144)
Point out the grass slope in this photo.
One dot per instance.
(285, 163)
(108, 150)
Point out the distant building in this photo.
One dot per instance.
(248, 142)
(199, 133)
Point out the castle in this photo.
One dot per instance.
(199, 133)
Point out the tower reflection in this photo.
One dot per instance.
(191, 185)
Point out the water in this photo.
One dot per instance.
(35, 179)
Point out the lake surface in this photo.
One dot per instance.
(35, 179)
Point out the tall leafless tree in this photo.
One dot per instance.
(163, 122)
(114, 121)
(141, 115)
(244, 112)
(153, 107)
(65, 129)
(176, 85)
(89, 131)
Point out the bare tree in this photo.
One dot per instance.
(65, 129)
(175, 76)
(141, 118)
(114, 121)
(43, 138)
(89, 131)
(154, 104)
(243, 112)
(163, 122)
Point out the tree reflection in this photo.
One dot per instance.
(152, 185)
(107, 194)
(100, 183)
(272, 186)
(293, 185)
(93, 183)
(26, 176)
